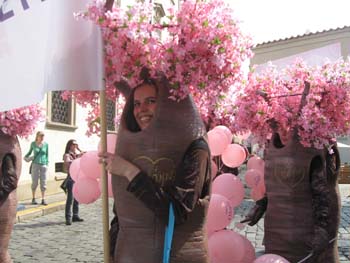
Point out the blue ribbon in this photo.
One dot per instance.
(169, 231)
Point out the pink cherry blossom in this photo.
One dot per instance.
(200, 50)
(274, 97)
(21, 121)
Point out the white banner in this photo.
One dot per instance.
(44, 48)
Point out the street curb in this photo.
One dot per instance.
(31, 213)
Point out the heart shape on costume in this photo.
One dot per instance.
(289, 172)
(162, 170)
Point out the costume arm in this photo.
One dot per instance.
(191, 184)
(320, 205)
(256, 212)
(8, 179)
(113, 231)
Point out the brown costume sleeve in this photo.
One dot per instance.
(191, 184)
(113, 231)
(320, 205)
(257, 212)
(8, 179)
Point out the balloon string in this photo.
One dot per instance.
(311, 254)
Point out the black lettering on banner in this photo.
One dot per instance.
(6, 13)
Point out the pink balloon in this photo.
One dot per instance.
(256, 194)
(220, 213)
(229, 186)
(111, 143)
(227, 132)
(217, 140)
(249, 251)
(256, 163)
(253, 177)
(86, 190)
(234, 155)
(271, 258)
(214, 170)
(225, 246)
(110, 190)
(74, 169)
(89, 165)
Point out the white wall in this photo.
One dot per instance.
(57, 140)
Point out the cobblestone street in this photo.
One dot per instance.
(47, 239)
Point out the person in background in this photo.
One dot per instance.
(40, 161)
(71, 152)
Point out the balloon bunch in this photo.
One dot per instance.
(226, 153)
(227, 193)
(86, 173)
(225, 245)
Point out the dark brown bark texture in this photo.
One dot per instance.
(303, 208)
(11, 163)
(158, 151)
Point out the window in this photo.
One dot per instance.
(61, 113)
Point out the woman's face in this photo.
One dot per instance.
(73, 147)
(40, 138)
(145, 102)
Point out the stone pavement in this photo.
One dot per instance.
(40, 234)
(255, 234)
(27, 211)
(47, 239)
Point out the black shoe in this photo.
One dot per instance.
(43, 202)
(68, 222)
(34, 202)
(77, 219)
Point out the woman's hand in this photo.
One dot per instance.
(117, 165)
(28, 159)
(80, 154)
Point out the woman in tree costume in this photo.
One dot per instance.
(301, 206)
(302, 201)
(10, 162)
(161, 158)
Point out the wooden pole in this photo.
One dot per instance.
(105, 206)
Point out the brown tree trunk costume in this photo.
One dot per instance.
(303, 202)
(158, 151)
(10, 158)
